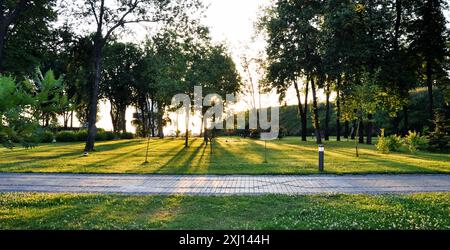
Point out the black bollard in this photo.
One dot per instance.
(321, 157)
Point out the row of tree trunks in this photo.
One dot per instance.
(327, 113)
(303, 111)
(338, 109)
(316, 113)
(118, 118)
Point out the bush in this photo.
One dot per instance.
(66, 136)
(46, 137)
(82, 135)
(394, 143)
(440, 137)
(109, 136)
(126, 136)
(382, 143)
(100, 136)
(415, 141)
(255, 134)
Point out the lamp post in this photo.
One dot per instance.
(321, 157)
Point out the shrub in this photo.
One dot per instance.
(100, 136)
(46, 137)
(394, 142)
(382, 143)
(440, 138)
(109, 136)
(415, 141)
(66, 136)
(82, 135)
(126, 136)
(255, 134)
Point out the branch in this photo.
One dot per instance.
(121, 20)
(93, 10)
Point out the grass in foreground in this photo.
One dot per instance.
(230, 156)
(62, 211)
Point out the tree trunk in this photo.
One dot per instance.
(301, 112)
(369, 129)
(405, 120)
(354, 128)
(160, 123)
(338, 111)
(327, 113)
(186, 136)
(360, 131)
(71, 119)
(93, 95)
(122, 119)
(346, 129)
(316, 113)
(430, 91)
(152, 117)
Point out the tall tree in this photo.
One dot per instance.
(429, 42)
(108, 19)
(118, 79)
(294, 49)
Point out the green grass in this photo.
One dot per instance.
(230, 156)
(64, 211)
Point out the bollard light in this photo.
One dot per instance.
(321, 157)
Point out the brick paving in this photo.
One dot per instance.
(223, 185)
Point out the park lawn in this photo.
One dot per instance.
(76, 211)
(231, 155)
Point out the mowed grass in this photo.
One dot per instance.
(70, 211)
(230, 156)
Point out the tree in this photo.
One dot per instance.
(118, 79)
(363, 101)
(49, 98)
(214, 70)
(24, 31)
(15, 120)
(294, 50)
(108, 18)
(429, 42)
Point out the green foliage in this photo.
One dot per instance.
(439, 139)
(16, 123)
(46, 136)
(126, 135)
(109, 136)
(66, 136)
(394, 142)
(82, 135)
(382, 143)
(415, 141)
(49, 97)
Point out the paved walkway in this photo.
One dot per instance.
(222, 185)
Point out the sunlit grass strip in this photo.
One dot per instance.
(231, 155)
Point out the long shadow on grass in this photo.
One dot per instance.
(182, 161)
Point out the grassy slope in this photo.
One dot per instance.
(61, 211)
(231, 156)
